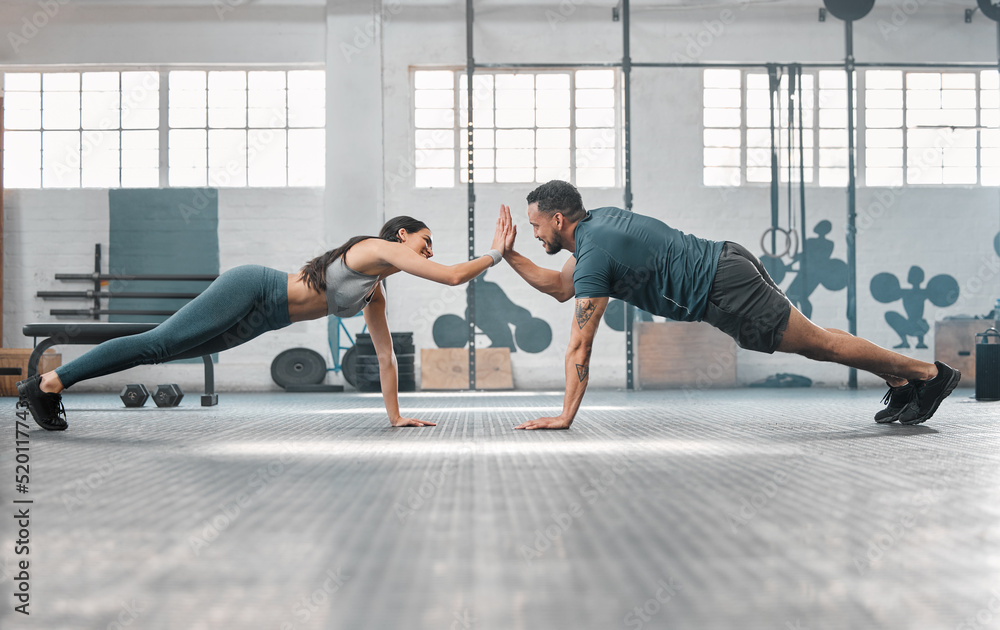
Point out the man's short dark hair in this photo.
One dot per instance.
(559, 196)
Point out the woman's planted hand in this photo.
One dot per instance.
(400, 421)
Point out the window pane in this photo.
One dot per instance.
(227, 157)
(22, 159)
(266, 160)
(434, 80)
(595, 78)
(100, 110)
(551, 138)
(22, 81)
(722, 78)
(61, 159)
(593, 99)
(187, 157)
(61, 110)
(100, 159)
(22, 110)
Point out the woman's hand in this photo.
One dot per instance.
(546, 423)
(400, 421)
(503, 230)
(511, 229)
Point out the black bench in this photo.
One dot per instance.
(93, 333)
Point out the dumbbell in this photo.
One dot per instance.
(168, 395)
(134, 395)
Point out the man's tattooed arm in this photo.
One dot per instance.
(584, 311)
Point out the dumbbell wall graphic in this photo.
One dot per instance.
(136, 395)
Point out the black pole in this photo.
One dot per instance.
(773, 85)
(802, 183)
(470, 290)
(97, 281)
(852, 266)
(627, 118)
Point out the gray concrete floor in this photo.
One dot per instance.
(738, 509)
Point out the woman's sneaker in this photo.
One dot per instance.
(47, 409)
(929, 394)
(897, 399)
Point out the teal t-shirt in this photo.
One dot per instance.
(645, 262)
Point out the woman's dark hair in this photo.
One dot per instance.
(314, 271)
(558, 196)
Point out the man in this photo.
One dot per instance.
(624, 255)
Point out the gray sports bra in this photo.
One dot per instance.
(347, 290)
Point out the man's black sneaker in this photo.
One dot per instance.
(929, 395)
(47, 409)
(897, 399)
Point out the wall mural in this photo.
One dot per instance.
(495, 315)
(821, 269)
(941, 291)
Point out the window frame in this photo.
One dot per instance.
(163, 127)
(861, 129)
(461, 134)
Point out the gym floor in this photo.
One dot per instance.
(741, 509)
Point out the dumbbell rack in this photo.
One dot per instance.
(98, 293)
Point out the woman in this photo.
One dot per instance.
(250, 300)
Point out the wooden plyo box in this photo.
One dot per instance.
(955, 344)
(684, 354)
(448, 368)
(18, 358)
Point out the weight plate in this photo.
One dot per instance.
(851, 10)
(990, 9)
(349, 365)
(298, 366)
(450, 331)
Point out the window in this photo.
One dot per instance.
(737, 128)
(527, 127)
(918, 128)
(237, 128)
(81, 129)
(223, 128)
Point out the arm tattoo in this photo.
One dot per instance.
(584, 311)
(582, 371)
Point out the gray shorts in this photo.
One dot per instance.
(745, 303)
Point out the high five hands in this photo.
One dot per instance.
(511, 229)
(503, 238)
